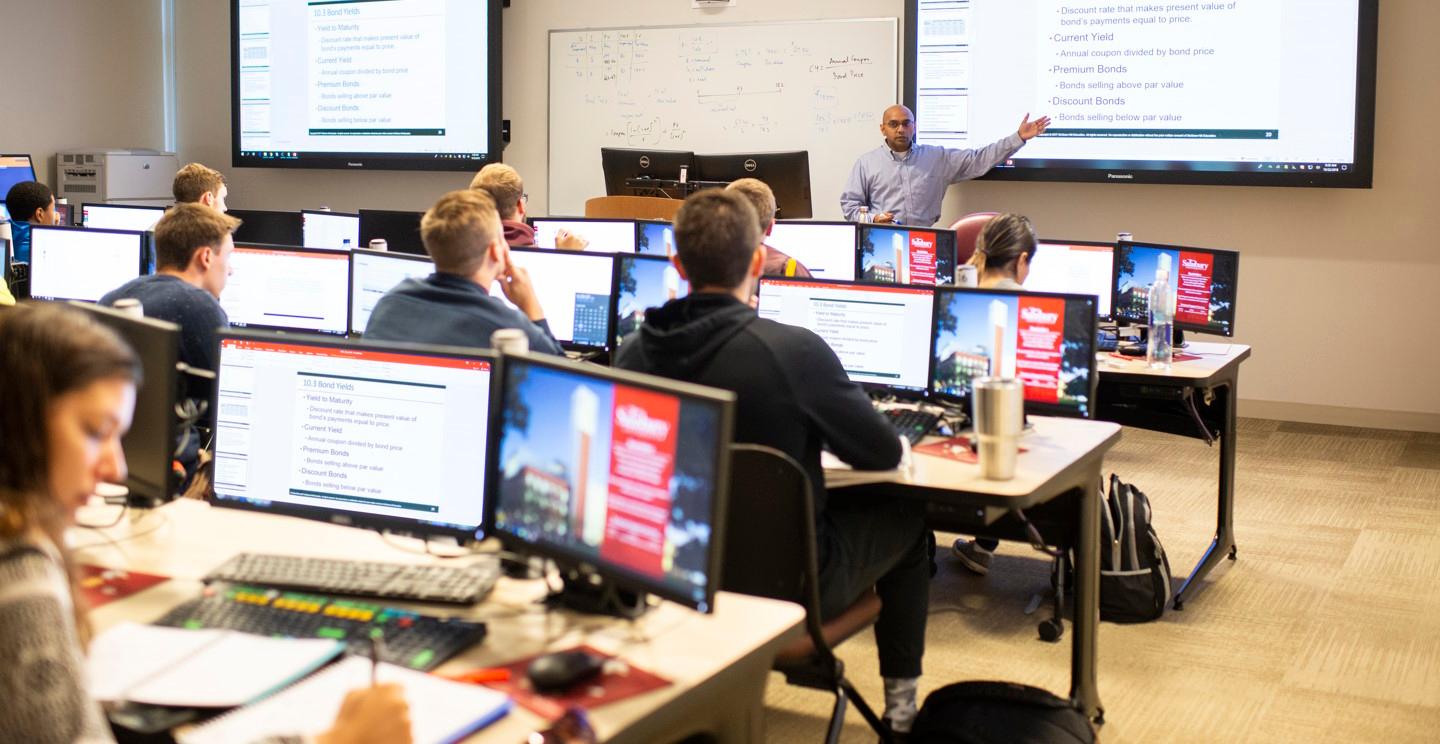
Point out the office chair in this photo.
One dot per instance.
(967, 231)
(633, 207)
(770, 507)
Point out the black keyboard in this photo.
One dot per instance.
(410, 639)
(910, 423)
(465, 584)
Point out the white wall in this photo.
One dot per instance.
(79, 73)
(1331, 281)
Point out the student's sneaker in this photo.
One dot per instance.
(972, 556)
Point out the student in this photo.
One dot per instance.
(794, 395)
(777, 262)
(29, 203)
(505, 186)
(453, 306)
(1003, 253)
(197, 184)
(57, 441)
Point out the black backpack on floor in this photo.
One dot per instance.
(1134, 572)
(998, 713)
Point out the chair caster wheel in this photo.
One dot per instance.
(1051, 630)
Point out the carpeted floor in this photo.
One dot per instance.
(1327, 628)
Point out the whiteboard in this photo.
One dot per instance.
(790, 85)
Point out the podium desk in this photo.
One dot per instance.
(1194, 398)
(718, 663)
(1055, 485)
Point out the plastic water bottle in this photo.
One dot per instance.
(1159, 351)
(863, 215)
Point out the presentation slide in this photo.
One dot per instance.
(1251, 86)
(644, 283)
(898, 255)
(374, 274)
(601, 236)
(77, 264)
(574, 291)
(362, 77)
(114, 217)
(294, 290)
(881, 334)
(825, 249)
(353, 430)
(330, 230)
(1074, 268)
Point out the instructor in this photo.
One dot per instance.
(903, 183)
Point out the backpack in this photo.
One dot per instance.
(1134, 572)
(998, 713)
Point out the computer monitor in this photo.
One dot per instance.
(622, 472)
(897, 254)
(268, 227)
(604, 235)
(1076, 267)
(64, 213)
(1046, 340)
(620, 164)
(14, 169)
(372, 274)
(320, 229)
(399, 230)
(365, 434)
(880, 332)
(120, 216)
(825, 249)
(786, 173)
(1203, 280)
(574, 290)
(655, 237)
(77, 263)
(4, 210)
(150, 444)
(288, 288)
(642, 282)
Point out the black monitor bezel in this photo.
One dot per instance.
(610, 304)
(361, 520)
(1098, 244)
(28, 158)
(245, 215)
(733, 166)
(139, 262)
(621, 577)
(377, 254)
(290, 330)
(417, 248)
(901, 392)
(634, 235)
(1193, 327)
(1035, 408)
(854, 249)
(611, 166)
(329, 213)
(615, 291)
(861, 228)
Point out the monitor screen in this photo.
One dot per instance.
(268, 227)
(643, 282)
(623, 472)
(907, 255)
(288, 288)
(1076, 267)
(383, 436)
(14, 169)
(352, 84)
(881, 333)
(574, 291)
(601, 236)
(372, 274)
(76, 263)
(1202, 281)
(1046, 340)
(825, 249)
(120, 217)
(329, 229)
(399, 230)
(655, 238)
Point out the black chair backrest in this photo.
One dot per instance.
(770, 528)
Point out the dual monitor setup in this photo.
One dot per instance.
(676, 174)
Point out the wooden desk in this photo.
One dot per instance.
(1060, 469)
(718, 663)
(1194, 398)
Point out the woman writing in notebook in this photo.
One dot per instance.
(59, 437)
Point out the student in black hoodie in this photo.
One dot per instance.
(794, 395)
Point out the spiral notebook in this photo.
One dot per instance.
(441, 711)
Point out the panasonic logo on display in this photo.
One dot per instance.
(1121, 176)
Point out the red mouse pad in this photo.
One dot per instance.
(100, 585)
(618, 680)
(1179, 356)
(955, 448)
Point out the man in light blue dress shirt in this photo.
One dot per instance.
(903, 183)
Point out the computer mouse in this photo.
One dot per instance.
(562, 670)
